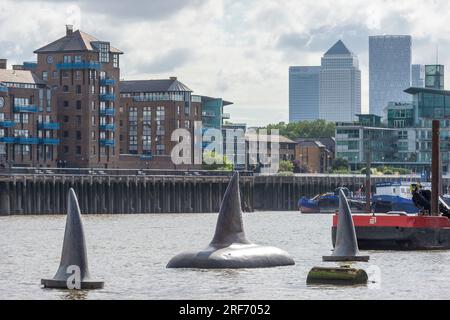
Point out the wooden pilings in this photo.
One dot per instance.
(45, 194)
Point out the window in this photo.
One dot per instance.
(79, 119)
(66, 149)
(78, 89)
(66, 118)
(78, 135)
(65, 88)
(44, 75)
(66, 134)
(55, 74)
(24, 118)
(65, 74)
(78, 75)
(66, 103)
(78, 149)
(115, 60)
(93, 105)
(67, 59)
(93, 135)
(93, 120)
(78, 104)
(77, 59)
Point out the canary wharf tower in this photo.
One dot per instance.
(340, 85)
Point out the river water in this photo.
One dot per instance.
(130, 253)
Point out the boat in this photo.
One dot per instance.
(329, 203)
(388, 197)
(398, 230)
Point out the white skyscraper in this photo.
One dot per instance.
(340, 85)
(389, 71)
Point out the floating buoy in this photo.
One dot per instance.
(338, 276)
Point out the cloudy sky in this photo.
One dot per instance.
(236, 49)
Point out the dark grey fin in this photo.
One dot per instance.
(74, 247)
(74, 254)
(346, 248)
(230, 227)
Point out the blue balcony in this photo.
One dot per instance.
(26, 108)
(107, 127)
(107, 142)
(8, 139)
(107, 82)
(23, 140)
(48, 126)
(49, 141)
(108, 112)
(147, 156)
(7, 124)
(78, 65)
(107, 97)
(3, 88)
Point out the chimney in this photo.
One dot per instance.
(69, 30)
(3, 63)
(173, 78)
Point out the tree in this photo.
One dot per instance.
(340, 164)
(286, 166)
(305, 129)
(219, 162)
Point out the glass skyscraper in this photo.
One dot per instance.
(303, 93)
(340, 85)
(418, 76)
(389, 71)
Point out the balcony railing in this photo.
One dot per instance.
(108, 112)
(107, 142)
(3, 89)
(7, 139)
(7, 124)
(78, 65)
(147, 156)
(107, 127)
(48, 126)
(49, 141)
(26, 108)
(226, 116)
(107, 82)
(107, 97)
(24, 140)
(208, 114)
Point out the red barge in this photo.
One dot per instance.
(399, 232)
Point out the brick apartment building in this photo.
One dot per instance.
(71, 109)
(150, 110)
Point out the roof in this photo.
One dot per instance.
(414, 90)
(19, 76)
(338, 48)
(163, 85)
(224, 102)
(254, 137)
(77, 41)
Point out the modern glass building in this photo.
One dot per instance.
(418, 75)
(389, 70)
(434, 76)
(340, 85)
(303, 93)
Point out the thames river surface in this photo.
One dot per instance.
(130, 253)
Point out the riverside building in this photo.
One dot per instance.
(69, 108)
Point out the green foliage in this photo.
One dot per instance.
(286, 166)
(226, 164)
(305, 129)
(340, 164)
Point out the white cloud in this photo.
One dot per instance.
(236, 49)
